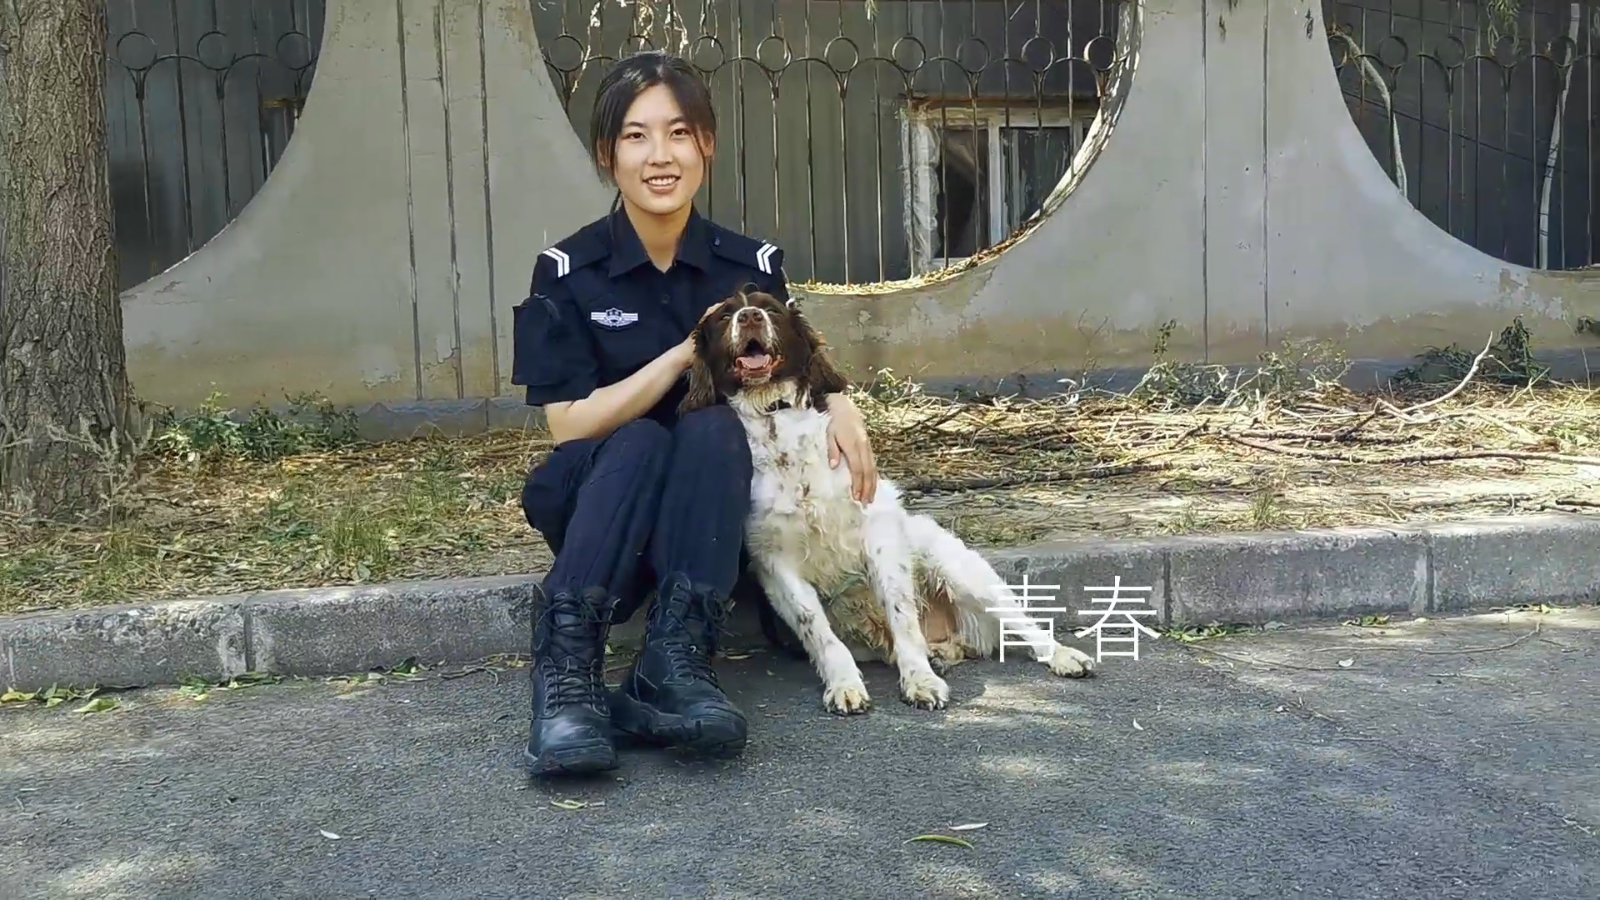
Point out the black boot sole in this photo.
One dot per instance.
(718, 734)
(583, 759)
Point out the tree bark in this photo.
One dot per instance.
(64, 394)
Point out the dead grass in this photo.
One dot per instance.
(355, 514)
(1190, 451)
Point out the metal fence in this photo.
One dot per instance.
(201, 98)
(1484, 114)
(872, 140)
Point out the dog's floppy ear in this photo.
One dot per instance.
(702, 384)
(821, 376)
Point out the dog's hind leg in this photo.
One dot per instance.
(984, 600)
(797, 603)
(889, 562)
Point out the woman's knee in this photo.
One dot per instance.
(713, 424)
(643, 441)
(714, 433)
(555, 488)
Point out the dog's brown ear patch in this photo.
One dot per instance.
(702, 388)
(821, 376)
(702, 383)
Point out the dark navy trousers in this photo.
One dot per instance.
(646, 502)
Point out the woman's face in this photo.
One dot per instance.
(656, 163)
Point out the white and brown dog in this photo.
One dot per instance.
(881, 567)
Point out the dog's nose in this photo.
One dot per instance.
(748, 316)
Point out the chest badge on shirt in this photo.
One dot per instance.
(614, 318)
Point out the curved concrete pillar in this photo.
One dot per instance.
(1351, 259)
(362, 269)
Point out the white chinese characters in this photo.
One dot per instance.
(1132, 624)
(1022, 630)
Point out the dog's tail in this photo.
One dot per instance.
(966, 578)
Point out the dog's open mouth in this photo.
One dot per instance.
(754, 361)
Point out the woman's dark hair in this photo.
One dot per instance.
(633, 76)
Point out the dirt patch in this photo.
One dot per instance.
(202, 520)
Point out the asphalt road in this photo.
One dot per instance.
(1440, 763)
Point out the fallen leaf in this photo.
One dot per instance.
(970, 826)
(17, 697)
(328, 834)
(98, 705)
(568, 804)
(942, 839)
(1346, 663)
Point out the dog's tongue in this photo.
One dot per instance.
(753, 361)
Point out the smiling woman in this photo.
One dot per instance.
(653, 134)
(633, 497)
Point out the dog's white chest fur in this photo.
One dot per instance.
(801, 508)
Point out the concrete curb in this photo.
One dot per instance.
(1238, 578)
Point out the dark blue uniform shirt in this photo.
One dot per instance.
(598, 309)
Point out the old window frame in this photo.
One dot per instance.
(920, 124)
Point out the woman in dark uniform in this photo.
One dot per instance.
(632, 497)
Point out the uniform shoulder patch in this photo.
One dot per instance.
(763, 256)
(572, 253)
(560, 259)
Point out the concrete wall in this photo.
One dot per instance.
(1243, 204)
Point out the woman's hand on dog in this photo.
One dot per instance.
(847, 440)
(683, 353)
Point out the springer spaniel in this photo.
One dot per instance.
(880, 566)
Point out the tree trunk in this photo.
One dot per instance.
(64, 395)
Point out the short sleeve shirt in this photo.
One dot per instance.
(598, 309)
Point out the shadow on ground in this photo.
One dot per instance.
(1167, 777)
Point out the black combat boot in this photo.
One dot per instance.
(670, 694)
(571, 729)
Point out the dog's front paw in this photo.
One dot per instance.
(847, 699)
(1070, 663)
(924, 690)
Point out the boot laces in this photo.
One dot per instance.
(689, 649)
(574, 666)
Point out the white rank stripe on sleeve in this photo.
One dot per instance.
(562, 260)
